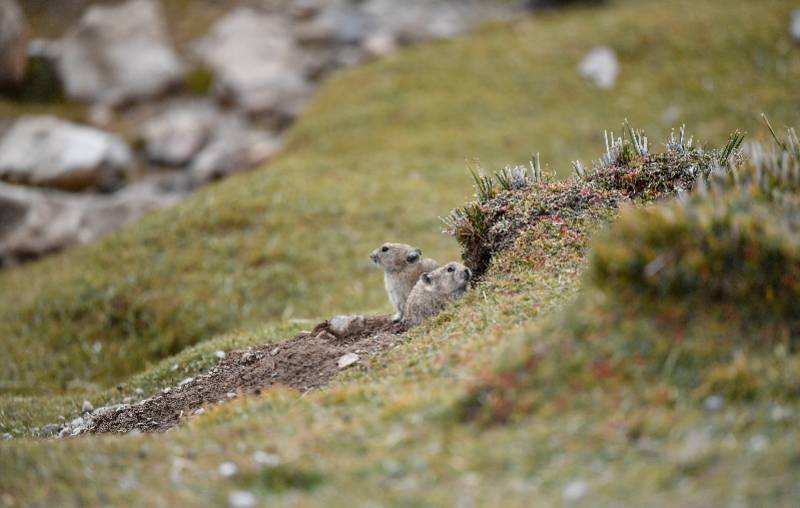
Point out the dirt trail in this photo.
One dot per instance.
(306, 361)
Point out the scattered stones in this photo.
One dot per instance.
(794, 28)
(241, 499)
(119, 53)
(227, 469)
(347, 360)
(87, 407)
(13, 43)
(600, 66)
(46, 151)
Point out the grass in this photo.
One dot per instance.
(290, 240)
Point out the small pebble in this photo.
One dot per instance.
(138, 391)
(220, 354)
(575, 490)
(186, 381)
(713, 403)
(228, 469)
(241, 499)
(166, 390)
(7, 437)
(266, 459)
(347, 360)
(87, 407)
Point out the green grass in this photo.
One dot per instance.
(378, 157)
(381, 150)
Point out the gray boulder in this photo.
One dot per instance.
(46, 151)
(35, 222)
(13, 43)
(257, 63)
(119, 53)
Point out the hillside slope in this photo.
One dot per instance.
(378, 157)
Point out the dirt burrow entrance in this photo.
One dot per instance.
(306, 361)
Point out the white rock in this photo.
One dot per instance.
(339, 325)
(139, 391)
(46, 151)
(241, 499)
(380, 44)
(795, 25)
(575, 490)
(601, 66)
(347, 360)
(186, 381)
(87, 407)
(266, 459)
(13, 43)
(176, 135)
(118, 53)
(227, 469)
(257, 62)
(220, 354)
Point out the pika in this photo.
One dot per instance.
(402, 265)
(434, 291)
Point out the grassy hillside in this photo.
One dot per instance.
(535, 386)
(378, 157)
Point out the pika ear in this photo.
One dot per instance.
(414, 256)
(426, 278)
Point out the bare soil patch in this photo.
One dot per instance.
(306, 361)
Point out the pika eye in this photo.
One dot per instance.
(385, 249)
(451, 269)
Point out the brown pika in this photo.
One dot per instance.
(434, 291)
(402, 265)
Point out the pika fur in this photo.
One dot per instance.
(434, 291)
(402, 265)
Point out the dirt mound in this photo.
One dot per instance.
(306, 361)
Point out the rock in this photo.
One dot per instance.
(36, 222)
(241, 499)
(7, 437)
(600, 66)
(50, 430)
(228, 469)
(119, 53)
(337, 24)
(794, 27)
(257, 63)
(139, 392)
(415, 21)
(265, 459)
(575, 490)
(13, 43)
(87, 407)
(175, 136)
(347, 360)
(233, 149)
(220, 354)
(380, 44)
(713, 403)
(46, 151)
(186, 381)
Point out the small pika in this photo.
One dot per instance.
(402, 265)
(434, 291)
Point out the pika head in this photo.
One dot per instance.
(451, 279)
(395, 257)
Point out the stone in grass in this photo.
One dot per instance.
(241, 499)
(87, 407)
(575, 490)
(795, 26)
(347, 360)
(601, 67)
(227, 469)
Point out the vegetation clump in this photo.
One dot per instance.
(515, 198)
